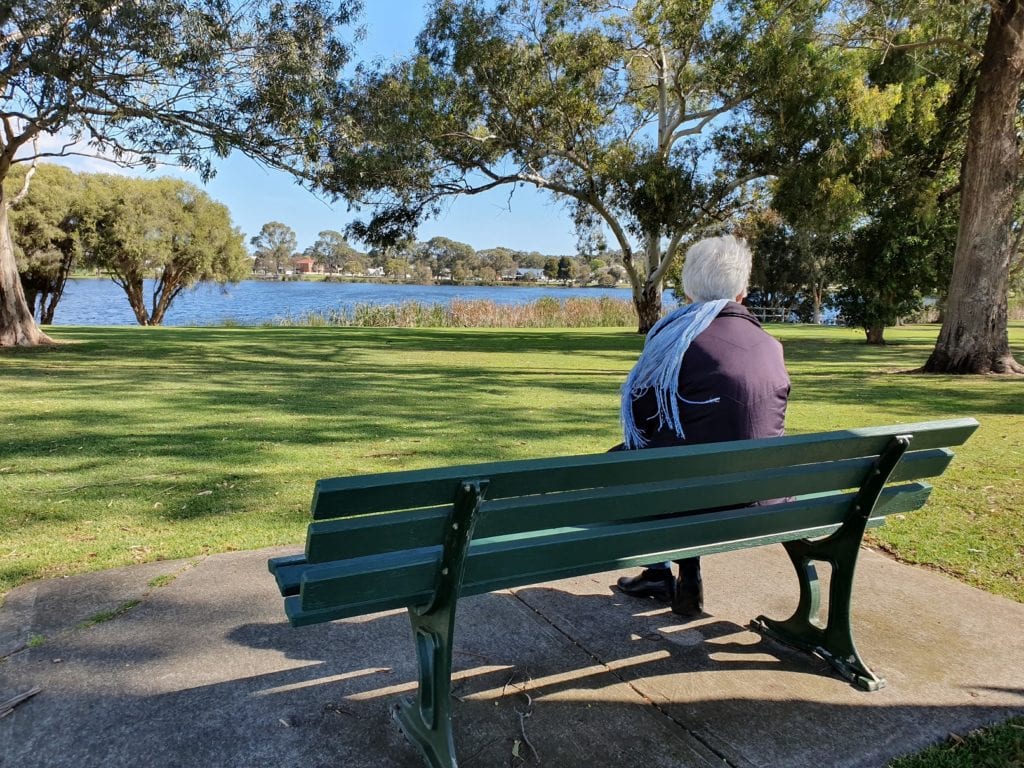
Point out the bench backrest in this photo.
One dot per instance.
(376, 541)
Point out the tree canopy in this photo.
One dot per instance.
(164, 229)
(274, 247)
(47, 234)
(875, 190)
(331, 250)
(145, 82)
(611, 107)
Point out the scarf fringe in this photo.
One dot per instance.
(659, 366)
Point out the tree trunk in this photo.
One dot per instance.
(648, 305)
(32, 298)
(875, 334)
(48, 304)
(974, 336)
(17, 326)
(647, 294)
(137, 299)
(167, 291)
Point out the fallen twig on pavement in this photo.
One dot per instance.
(8, 706)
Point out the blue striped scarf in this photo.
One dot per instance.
(659, 365)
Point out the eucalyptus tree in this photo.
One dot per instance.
(274, 247)
(443, 253)
(146, 82)
(331, 249)
(867, 154)
(501, 260)
(940, 174)
(975, 335)
(610, 106)
(165, 230)
(908, 175)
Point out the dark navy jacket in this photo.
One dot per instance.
(735, 360)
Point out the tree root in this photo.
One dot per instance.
(1007, 365)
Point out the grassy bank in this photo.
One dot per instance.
(545, 312)
(134, 444)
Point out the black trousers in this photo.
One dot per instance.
(689, 568)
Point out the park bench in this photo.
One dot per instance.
(421, 539)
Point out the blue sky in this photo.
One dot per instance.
(530, 221)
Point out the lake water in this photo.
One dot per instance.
(253, 302)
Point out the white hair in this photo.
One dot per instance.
(716, 268)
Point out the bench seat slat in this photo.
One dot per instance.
(289, 577)
(381, 582)
(367, 494)
(365, 535)
(284, 562)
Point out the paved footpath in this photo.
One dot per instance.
(203, 671)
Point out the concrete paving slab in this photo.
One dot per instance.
(205, 671)
(65, 603)
(953, 657)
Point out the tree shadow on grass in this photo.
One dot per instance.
(150, 419)
(913, 398)
(199, 426)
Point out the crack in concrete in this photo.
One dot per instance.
(101, 617)
(726, 759)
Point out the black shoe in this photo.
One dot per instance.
(688, 598)
(652, 582)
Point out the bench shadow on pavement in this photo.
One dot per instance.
(613, 668)
(620, 684)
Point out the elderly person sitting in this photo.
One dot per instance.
(708, 373)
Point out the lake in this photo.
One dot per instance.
(253, 302)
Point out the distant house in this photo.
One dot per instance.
(305, 265)
(531, 275)
(375, 272)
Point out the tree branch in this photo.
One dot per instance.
(28, 174)
(666, 260)
(706, 117)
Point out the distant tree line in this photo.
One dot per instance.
(172, 232)
(439, 259)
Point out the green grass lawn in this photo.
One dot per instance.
(1001, 746)
(134, 444)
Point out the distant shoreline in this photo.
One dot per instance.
(96, 300)
(389, 281)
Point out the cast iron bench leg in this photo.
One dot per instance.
(833, 640)
(426, 720)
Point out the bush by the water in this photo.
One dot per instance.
(545, 312)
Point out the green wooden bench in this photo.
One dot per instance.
(423, 538)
